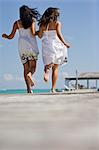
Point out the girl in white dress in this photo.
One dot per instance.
(54, 47)
(28, 49)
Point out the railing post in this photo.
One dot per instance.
(76, 79)
(87, 84)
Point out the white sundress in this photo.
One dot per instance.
(53, 50)
(27, 45)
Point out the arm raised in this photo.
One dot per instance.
(12, 34)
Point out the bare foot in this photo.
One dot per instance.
(30, 79)
(53, 91)
(46, 75)
(29, 91)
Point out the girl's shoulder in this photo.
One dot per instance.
(53, 25)
(19, 23)
(58, 23)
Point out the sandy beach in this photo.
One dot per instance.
(49, 122)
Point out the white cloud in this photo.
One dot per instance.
(8, 77)
(19, 79)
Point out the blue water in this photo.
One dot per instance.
(22, 91)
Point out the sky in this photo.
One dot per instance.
(80, 27)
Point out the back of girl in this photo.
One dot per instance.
(53, 44)
(27, 44)
(26, 26)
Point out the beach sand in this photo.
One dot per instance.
(49, 122)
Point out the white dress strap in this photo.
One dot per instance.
(47, 27)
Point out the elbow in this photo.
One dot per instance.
(10, 38)
(33, 34)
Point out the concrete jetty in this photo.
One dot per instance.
(49, 122)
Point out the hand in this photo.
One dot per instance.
(67, 45)
(36, 33)
(4, 36)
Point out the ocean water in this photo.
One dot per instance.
(22, 91)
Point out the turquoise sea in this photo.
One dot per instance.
(23, 91)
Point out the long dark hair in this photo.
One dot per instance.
(27, 15)
(50, 14)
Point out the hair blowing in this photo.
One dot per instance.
(50, 14)
(27, 16)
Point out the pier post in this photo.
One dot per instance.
(76, 79)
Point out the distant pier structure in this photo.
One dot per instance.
(86, 76)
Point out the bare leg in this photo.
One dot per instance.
(54, 76)
(32, 68)
(46, 72)
(26, 71)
